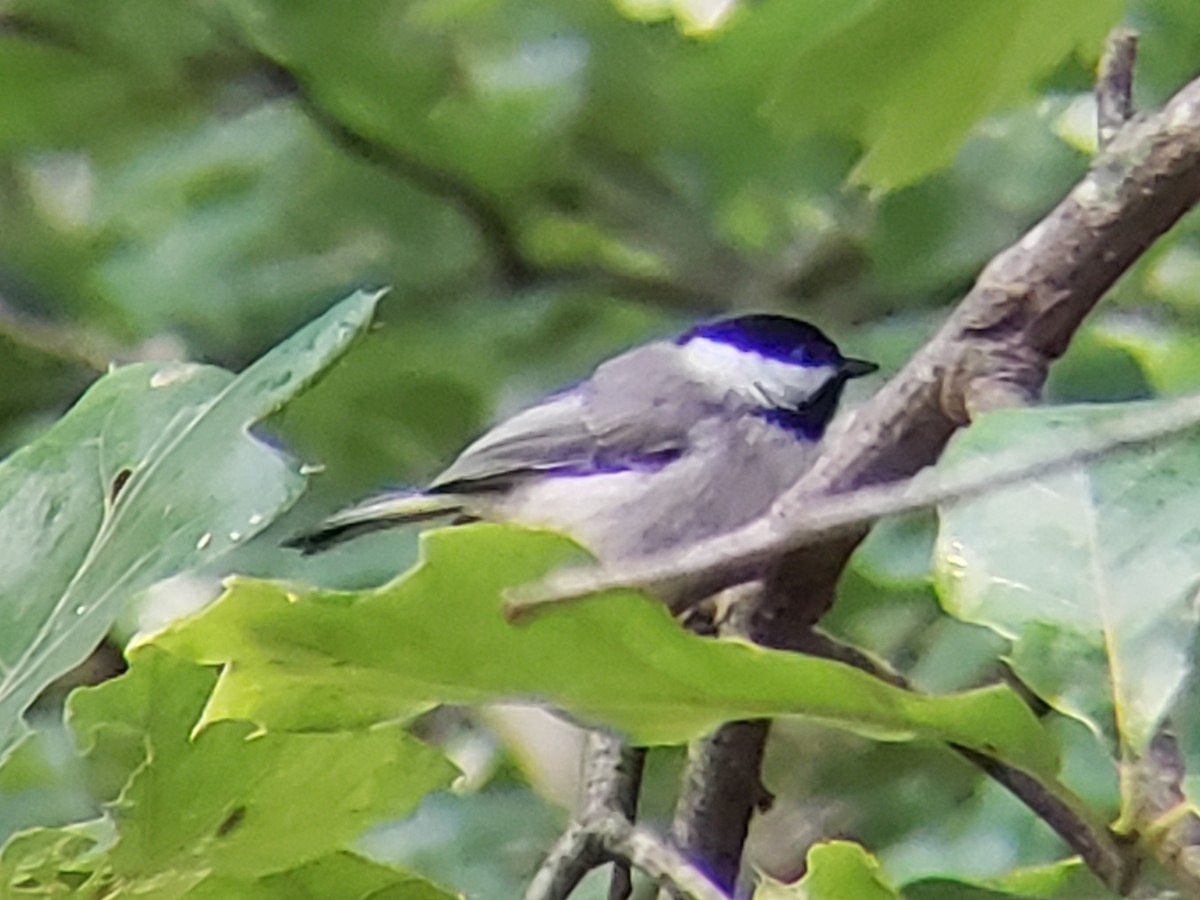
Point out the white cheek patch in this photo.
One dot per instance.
(762, 381)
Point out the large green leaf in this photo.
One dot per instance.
(319, 660)
(229, 808)
(153, 472)
(906, 78)
(1091, 572)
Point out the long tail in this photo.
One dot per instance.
(375, 514)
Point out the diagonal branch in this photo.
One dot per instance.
(603, 831)
(992, 352)
(1096, 845)
(844, 514)
(612, 781)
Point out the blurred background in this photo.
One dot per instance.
(541, 184)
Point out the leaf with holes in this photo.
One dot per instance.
(151, 473)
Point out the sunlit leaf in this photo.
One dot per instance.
(225, 799)
(338, 876)
(835, 870)
(227, 811)
(317, 660)
(1066, 880)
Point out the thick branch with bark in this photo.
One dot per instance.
(993, 352)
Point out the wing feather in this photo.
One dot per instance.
(634, 408)
(550, 435)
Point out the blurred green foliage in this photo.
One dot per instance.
(542, 183)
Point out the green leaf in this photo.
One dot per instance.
(230, 799)
(45, 89)
(333, 877)
(1068, 879)
(1091, 573)
(320, 660)
(72, 862)
(153, 472)
(906, 79)
(836, 870)
(69, 76)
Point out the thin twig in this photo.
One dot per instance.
(1158, 806)
(574, 854)
(836, 515)
(1101, 851)
(1114, 84)
(1097, 846)
(612, 779)
(993, 351)
(492, 221)
(658, 859)
(487, 213)
(613, 837)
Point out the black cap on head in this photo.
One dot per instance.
(779, 337)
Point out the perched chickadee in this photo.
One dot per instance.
(666, 444)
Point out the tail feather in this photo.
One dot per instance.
(375, 514)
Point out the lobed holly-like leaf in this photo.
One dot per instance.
(153, 472)
(227, 810)
(834, 869)
(312, 660)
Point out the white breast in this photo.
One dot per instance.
(732, 473)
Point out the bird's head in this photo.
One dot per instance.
(785, 368)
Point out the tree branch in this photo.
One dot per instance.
(490, 219)
(1096, 845)
(612, 780)
(993, 351)
(845, 514)
(658, 859)
(721, 791)
(1114, 85)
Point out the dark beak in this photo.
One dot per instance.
(856, 368)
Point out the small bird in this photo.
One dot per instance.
(666, 444)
